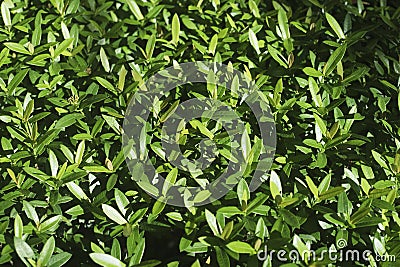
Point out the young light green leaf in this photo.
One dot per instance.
(170, 111)
(121, 200)
(213, 44)
(335, 26)
(150, 46)
(321, 124)
(79, 152)
(169, 181)
(158, 206)
(212, 223)
(121, 78)
(76, 190)
(283, 24)
(16, 47)
(135, 9)
(300, 246)
(243, 191)
(104, 60)
(113, 214)
(62, 47)
(106, 260)
(314, 89)
(254, 41)
(313, 188)
(53, 163)
(5, 13)
(275, 185)
(18, 226)
(241, 247)
(175, 29)
(312, 72)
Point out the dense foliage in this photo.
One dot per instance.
(330, 70)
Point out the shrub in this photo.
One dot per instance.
(330, 70)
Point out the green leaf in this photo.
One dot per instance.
(314, 89)
(47, 251)
(150, 46)
(79, 152)
(301, 247)
(241, 247)
(213, 44)
(254, 41)
(170, 111)
(116, 249)
(277, 56)
(23, 249)
(59, 259)
(76, 190)
(201, 196)
(18, 78)
(243, 192)
(158, 207)
(61, 48)
(36, 173)
(121, 200)
(169, 181)
(121, 78)
(18, 227)
(321, 124)
(344, 204)
(283, 24)
(312, 72)
(312, 186)
(113, 214)
(290, 218)
(135, 9)
(106, 84)
(30, 212)
(227, 230)
(361, 213)
(68, 120)
(331, 193)
(335, 26)
(275, 185)
(104, 60)
(334, 59)
(16, 47)
(50, 224)
(106, 260)
(212, 222)
(355, 75)
(222, 257)
(53, 163)
(5, 14)
(175, 29)
(96, 169)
